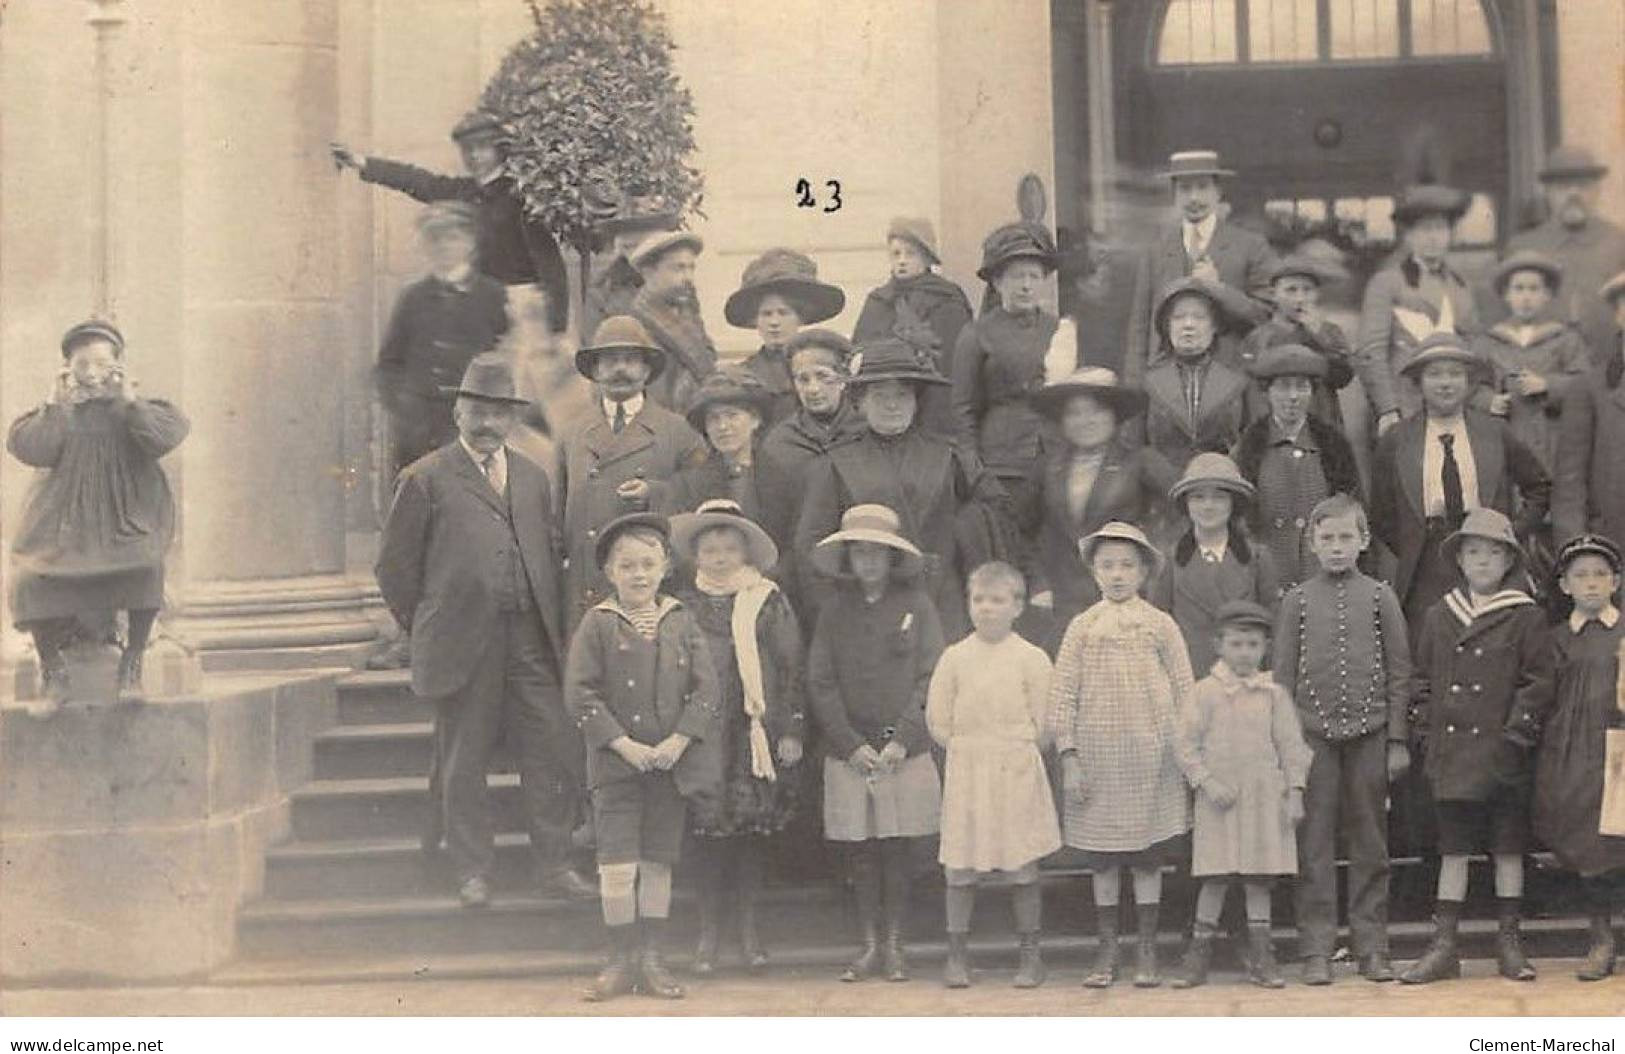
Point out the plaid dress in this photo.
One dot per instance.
(1122, 678)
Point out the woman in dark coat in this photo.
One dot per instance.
(1088, 478)
(950, 506)
(92, 537)
(777, 295)
(727, 409)
(998, 364)
(919, 306)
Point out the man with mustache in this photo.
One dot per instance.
(618, 457)
(468, 564)
(1590, 248)
(669, 310)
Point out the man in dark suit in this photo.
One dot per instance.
(469, 564)
(1203, 245)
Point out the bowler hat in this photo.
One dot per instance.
(819, 338)
(890, 359)
(1191, 285)
(1588, 544)
(1572, 162)
(722, 512)
(1483, 523)
(793, 276)
(1016, 241)
(1244, 613)
(1211, 469)
(1613, 287)
(868, 523)
(916, 229)
(1118, 531)
(475, 122)
(91, 329)
(620, 525)
(1430, 199)
(1442, 347)
(1528, 260)
(728, 387)
(1195, 163)
(490, 377)
(446, 215)
(1097, 382)
(659, 243)
(620, 333)
(1288, 360)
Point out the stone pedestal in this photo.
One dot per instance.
(131, 833)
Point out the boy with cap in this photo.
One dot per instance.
(618, 457)
(512, 247)
(1590, 489)
(1481, 685)
(1203, 245)
(1295, 285)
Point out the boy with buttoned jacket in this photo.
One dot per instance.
(1483, 680)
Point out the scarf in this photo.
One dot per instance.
(750, 591)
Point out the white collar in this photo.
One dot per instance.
(479, 459)
(1608, 616)
(1217, 550)
(1456, 426)
(634, 406)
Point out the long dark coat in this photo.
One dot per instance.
(1590, 488)
(1192, 591)
(1287, 491)
(939, 304)
(783, 460)
(1167, 426)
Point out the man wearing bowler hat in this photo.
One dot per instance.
(1203, 245)
(469, 564)
(1589, 248)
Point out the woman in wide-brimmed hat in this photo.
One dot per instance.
(951, 506)
(918, 305)
(1196, 402)
(1088, 477)
(1214, 559)
(999, 361)
(755, 645)
(727, 409)
(777, 295)
(1416, 294)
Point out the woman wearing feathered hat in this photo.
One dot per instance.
(777, 295)
(950, 506)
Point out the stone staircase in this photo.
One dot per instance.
(350, 894)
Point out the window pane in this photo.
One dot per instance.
(1477, 227)
(1379, 219)
(1365, 29)
(1311, 211)
(1449, 27)
(1282, 30)
(1198, 31)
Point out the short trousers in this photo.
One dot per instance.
(1499, 825)
(639, 819)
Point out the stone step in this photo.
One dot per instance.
(374, 751)
(381, 867)
(390, 807)
(380, 697)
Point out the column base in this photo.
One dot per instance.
(278, 624)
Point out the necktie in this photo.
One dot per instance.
(489, 467)
(1454, 506)
(619, 424)
(1194, 244)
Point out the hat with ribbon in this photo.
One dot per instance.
(891, 359)
(1098, 383)
(1195, 163)
(687, 527)
(868, 523)
(620, 333)
(1288, 360)
(728, 387)
(1211, 469)
(658, 243)
(1572, 162)
(475, 122)
(791, 275)
(489, 377)
(1016, 241)
(1483, 523)
(620, 525)
(1118, 531)
(89, 330)
(1528, 260)
(1588, 545)
(1442, 347)
(916, 229)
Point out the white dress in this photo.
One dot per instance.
(986, 706)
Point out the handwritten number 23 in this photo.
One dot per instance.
(805, 199)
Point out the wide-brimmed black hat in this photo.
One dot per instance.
(793, 276)
(1097, 382)
(890, 359)
(1016, 241)
(621, 333)
(1430, 199)
(490, 377)
(91, 329)
(728, 387)
(620, 525)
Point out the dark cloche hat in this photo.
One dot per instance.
(793, 276)
(728, 387)
(1016, 241)
(890, 359)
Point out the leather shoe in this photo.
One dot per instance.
(1317, 970)
(1376, 967)
(569, 884)
(396, 655)
(475, 892)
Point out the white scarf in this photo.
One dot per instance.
(750, 591)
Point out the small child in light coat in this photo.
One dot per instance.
(986, 708)
(1249, 764)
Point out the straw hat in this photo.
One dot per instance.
(658, 243)
(1483, 523)
(1244, 613)
(490, 377)
(916, 229)
(868, 523)
(687, 527)
(620, 333)
(1211, 469)
(728, 387)
(1442, 347)
(793, 276)
(1588, 544)
(1097, 382)
(1117, 531)
(1288, 360)
(1528, 260)
(1195, 163)
(620, 525)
